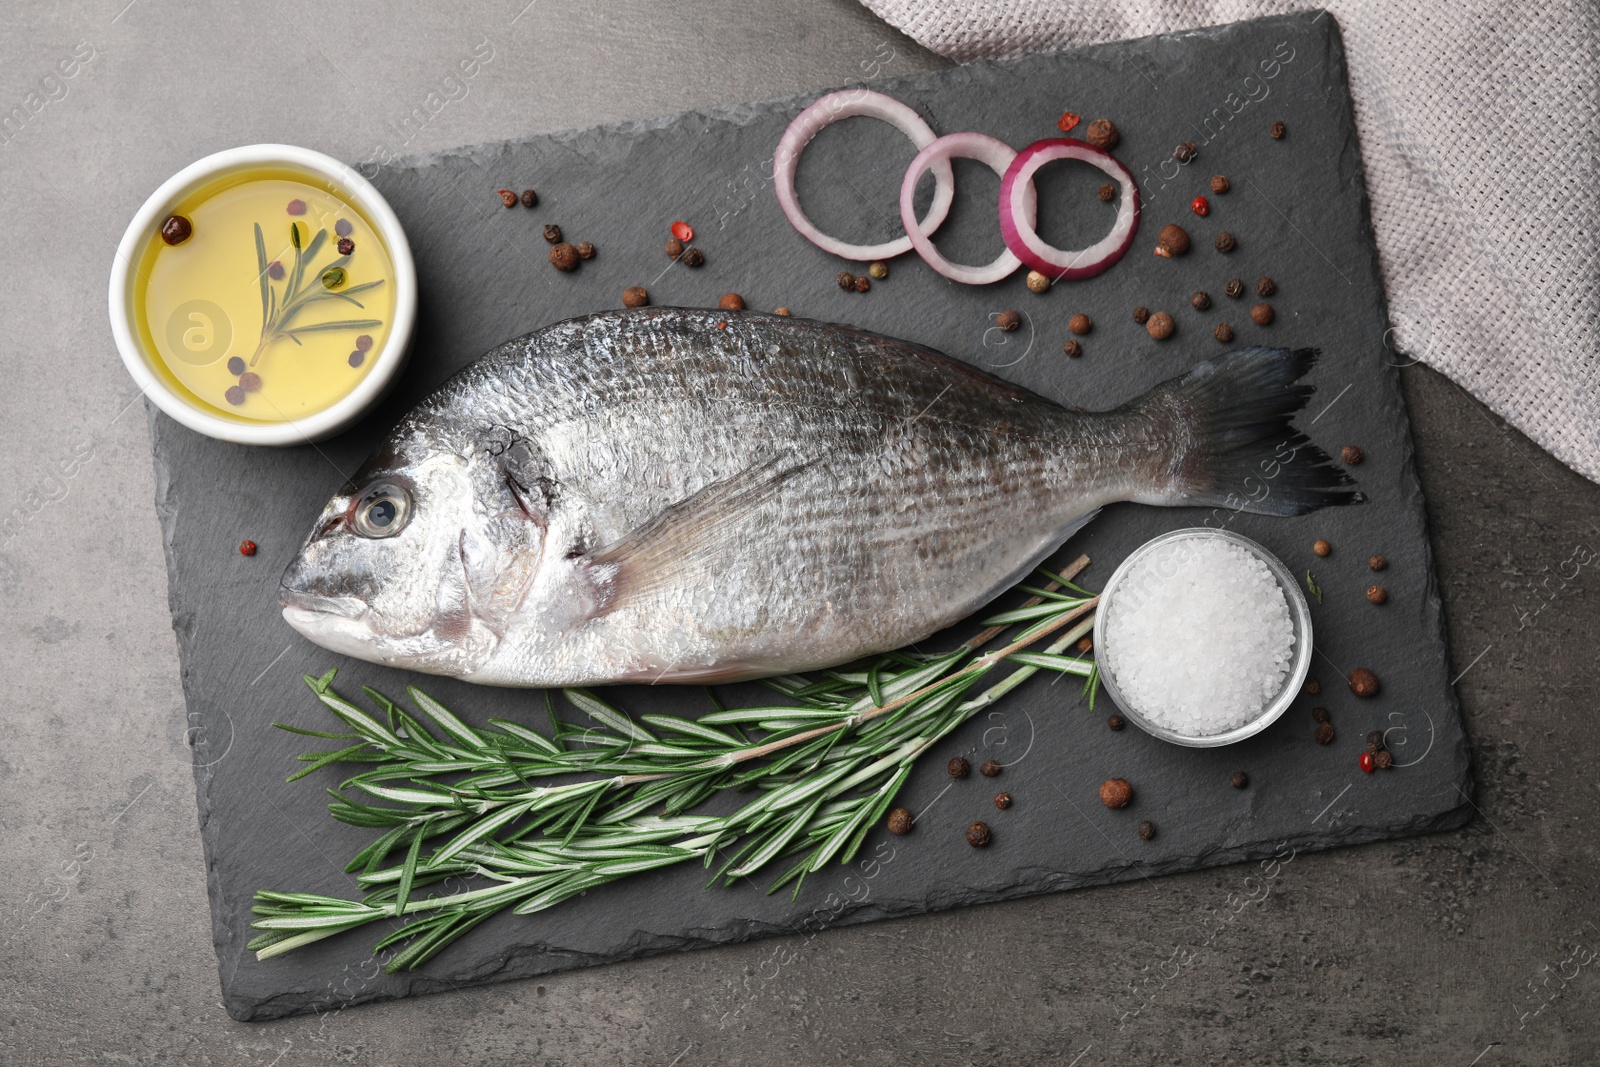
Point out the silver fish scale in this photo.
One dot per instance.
(922, 487)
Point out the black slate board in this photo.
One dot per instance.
(1299, 209)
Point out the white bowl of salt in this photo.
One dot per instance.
(1203, 637)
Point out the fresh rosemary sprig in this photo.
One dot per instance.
(541, 819)
(304, 286)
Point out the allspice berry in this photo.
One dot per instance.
(552, 233)
(1173, 240)
(863, 283)
(1073, 349)
(635, 296)
(879, 271)
(731, 302)
(958, 767)
(1223, 332)
(1080, 324)
(1377, 563)
(1374, 740)
(1384, 760)
(1186, 152)
(585, 250)
(1351, 455)
(1224, 242)
(1147, 829)
(1239, 779)
(1200, 301)
(1234, 289)
(1002, 801)
(1324, 734)
(1114, 722)
(1322, 548)
(1038, 283)
(1141, 315)
(1319, 714)
(990, 768)
(1219, 184)
(1363, 683)
(1160, 326)
(1265, 286)
(1008, 320)
(529, 198)
(176, 229)
(1278, 130)
(1377, 594)
(563, 256)
(1261, 315)
(1102, 133)
(978, 835)
(901, 821)
(1108, 192)
(1313, 687)
(1116, 792)
(693, 257)
(674, 248)
(507, 199)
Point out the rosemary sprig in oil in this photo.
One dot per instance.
(538, 819)
(305, 285)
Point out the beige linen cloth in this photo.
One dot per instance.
(1478, 125)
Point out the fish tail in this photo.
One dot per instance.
(1240, 451)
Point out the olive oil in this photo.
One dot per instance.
(275, 301)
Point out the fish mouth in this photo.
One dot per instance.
(311, 605)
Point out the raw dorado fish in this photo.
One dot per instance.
(674, 495)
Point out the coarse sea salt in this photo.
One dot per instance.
(1198, 636)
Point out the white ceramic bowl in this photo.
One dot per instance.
(1299, 615)
(387, 361)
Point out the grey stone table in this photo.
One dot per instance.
(1475, 945)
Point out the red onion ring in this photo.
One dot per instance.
(842, 105)
(1017, 225)
(997, 155)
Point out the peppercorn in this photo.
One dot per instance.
(356, 358)
(343, 228)
(1374, 740)
(1377, 563)
(552, 233)
(1115, 792)
(1324, 734)
(1234, 289)
(529, 198)
(250, 381)
(978, 835)
(507, 198)
(275, 271)
(1002, 801)
(296, 207)
(234, 395)
(1102, 133)
(958, 767)
(682, 230)
(563, 256)
(1322, 548)
(1319, 714)
(1223, 332)
(1114, 722)
(1141, 315)
(1224, 242)
(785, 312)
(1084, 646)
(1377, 594)
(1160, 326)
(1073, 349)
(1147, 829)
(847, 281)
(1363, 683)
(731, 302)
(693, 257)
(1313, 686)
(1219, 184)
(346, 246)
(1366, 762)
(863, 283)
(247, 548)
(901, 821)
(1173, 240)
(1038, 283)
(674, 248)
(1200, 206)
(1384, 760)
(1080, 324)
(364, 341)
(989, 768)
(1008, 320)
(333, 277)
(1351, 455)
(1108, 192)
(879, 271)
(1239, 779)
(1265, 286)
(1200, 301)
(585, 250)
(1186, 152)
(176, 229)
(1277, 131)
(236, 366)
(635, 296)
(1261, 315)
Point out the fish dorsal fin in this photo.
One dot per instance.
(688, 538)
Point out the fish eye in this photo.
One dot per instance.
(383, 510)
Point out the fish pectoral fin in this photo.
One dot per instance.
(689, 538)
